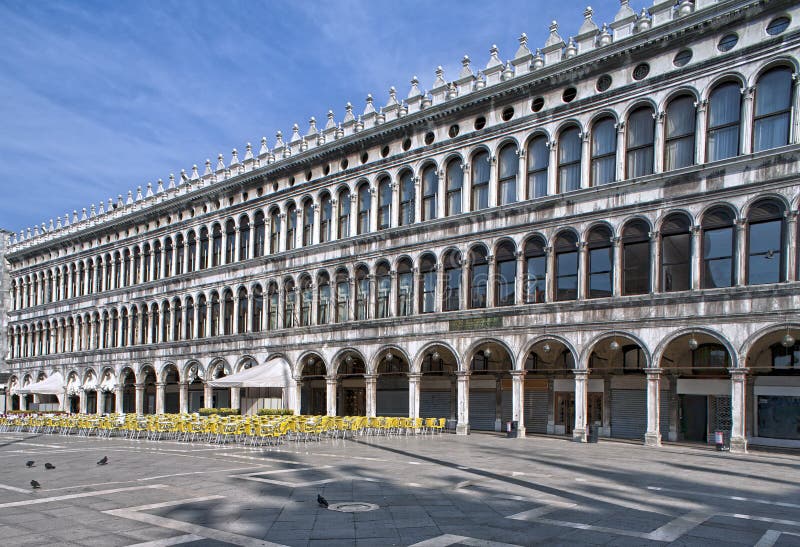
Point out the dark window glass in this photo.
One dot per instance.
(778, 25)
(535, 271)
(773, 107)
(600, 267)
(384, 203)
(538, 163)
(765, 261)
(326, 215)
(682, 58)
(384, 287)
(455, 181)
(569, 160)
(407, 199)
(344, 214)
(679, 133)
(308, 223)
(507, 174)
(727, 42)
(566, 267)
(405, 288)
(364, 204)
(480, 181)
(505, 275)
(718, 249)
(636, 258)
(430, 190)
(604, 152)
(641, 136)
(724, 115)
(479, 276)
(452, 282)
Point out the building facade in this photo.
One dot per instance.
(602, 231)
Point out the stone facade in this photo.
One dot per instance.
(601, 232)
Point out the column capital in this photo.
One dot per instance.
(653, 371)
(415, 376)
(581, 373)
(370, 377)
(138, 386)
(517, 373)
(161, 384)
(738, 373)
(463, 373)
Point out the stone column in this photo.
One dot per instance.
(235, 329)
(740, 278)
(491, 283)
(351, 304)
(314, 320)
(183, 401)
(370, 381)
(82, 401)
(552, 169)
(417, 199)
(655, 262)
(441, 194)
(794, 135)
(139, 399)
(700, 134)
(586, 159)
(372, 301)
(414, 380)
(738, 435)
(518, 400)
(791, 245)
(747, 119)
(697, 256)
(583, 268)
(208, 396)
(466, 187)
(23, 402)
(237, 244)
(581, 386)
(658, 144)
(223, 255)
(354, 213)
(519, 282)
(101, 401)
(652, 436)
(236, 394)
(550, 274)
(462, 379)
(118, 395)
(466, 292)
(373, 209)
(330, 395)
(335, 219)
(620, 163)
(160, 393)
(393, 294)
(316, 221)
(617, 267)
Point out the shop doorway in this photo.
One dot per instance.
(565, 412)
(694, 417)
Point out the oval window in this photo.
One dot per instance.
(569, 94)
(507, 113)
(406, 144)
(453, 131)
(480, 122)
(344, 164)
(641, 71)
(682, 58)
(537, 104)
(603, 82)
(727, 42)
(429, 136)
(364, 157)
(778, 25)
(384, 151)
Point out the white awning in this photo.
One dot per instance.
(274, 373)
(53, 385)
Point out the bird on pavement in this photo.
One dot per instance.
(35, 484)
(49, 465)
(29, 463)
(322, 501)
(103, 461)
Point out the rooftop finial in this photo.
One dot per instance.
(392, 98)
(248, 152)
(330, 124)
(234, 157)
(160, 189)
(220, 163)
(264, 148)
(149, 193)
(295, 134)
(171, 185)
(414, 91)
(369, 108)
(466, 70)
(494, 57)
(208, 170)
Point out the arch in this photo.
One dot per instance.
(302, 363)
(474, 347)
(165, 368)
(217, 365)
(591, 346)
(775, 62)
(339, 356)
(658, 352)
(531, 343)
(374, 363)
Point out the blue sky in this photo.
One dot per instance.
(99, 97)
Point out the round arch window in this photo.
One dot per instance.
(727, 42)
(569, 94)
(641, 71)
(778, 25)
(682, 58)
(604, 82)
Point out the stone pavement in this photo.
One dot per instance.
(425, 491)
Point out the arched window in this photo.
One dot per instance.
(427, 284)
(324, 288)
(507, 170)
(216, 245)
(719, 248)
(308, 223)
(724, 119)
(384, 203)
(191, 247)
(364, 204)
(241, 310)
(215, 309)
(344, 214)
(89, 288)
(405, 287)
(272, 306)
(455, 182)
(189, 318)
(202, 316)
(227, 320)
(260, 227)
(640, 143)
(636, 257)
(506, 274)
(134, 324)
(479, 277)
(342, 296)
(601, 263)
(569, 160)
(166, 321)
(383, 282)
(676, 253)
(203, 248)
(535, 270)
(604, 151)
(291, 226)
(169, 262)
(480, 181)
(362, 293)
(289, 304)
(785, 359)
(765, 241)
(408, 198)
(137, 270)
(306, 296)
(773, 109)
(325, 218)
(147, 255)
(679, 133)
(566, 274)
(230, 241)
(452, 281)
(538, 164)
(155, 323)
(430, 191)
(256, 321)
(244, 237)
(274, 231)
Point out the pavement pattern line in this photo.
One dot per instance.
(724, 497)
(771, 537)
(134, 513)
(452, 539)
(81, 495)
(167, 542)
(15, 489)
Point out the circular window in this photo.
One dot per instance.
(308, 176)
(480, 122)
(603, 82)
(537, 104)
(260, 191)
(406, 144)
(453, 131)
(291, 181)
(507, 113)
(344, 164)
(274, 186)
(364, 157)
(727, 42)
(569, 94)
(429, 137)
(778, 25)
(384, 151)
(641, 71)
(326, 170)
(682, 58)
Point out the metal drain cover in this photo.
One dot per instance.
(352, 507)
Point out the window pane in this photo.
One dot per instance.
(774, 91)
(506, 279)
(675, 262)
(600, 272)
(765, 263)
(480, 275)
(538, 162)
(636, 261)
(536, 279)
(567, 276)
(718, 258)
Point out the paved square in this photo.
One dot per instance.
(424, 491)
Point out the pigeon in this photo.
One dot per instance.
(29, 463)
(103, 461)
(322, 501)
(49, 466)
(35, 485)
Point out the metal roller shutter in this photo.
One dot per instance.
(536, 411)
(628, 413)
(434, 404)
(481, 410)
(392, 402)
(721, 419)
(664, 415)
(507, 409)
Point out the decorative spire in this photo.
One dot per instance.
(538, 60)
(414, 91)
(172, 179)
(195, 172)
(234, 157)
(508, 72)
(312, 126)
(369, 108)
(58, 223)
(160, 189)
(83, 216)
(248, 152)
(330, 124)
(588, 24)
(220, 163)
(452, 91)
(392, 98)
(625, 11)
(295, 134)
(93, 212)
(110, 205)
(348, 113)
(53, 227)
(523, 50)
(466, 71)
(279, 140)
(604, 38)
(149, 193)
(494, 58)
(439, 82)
(554, 38)
(571, 50)
(208, 170)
